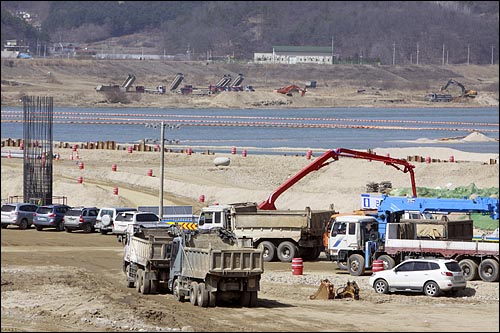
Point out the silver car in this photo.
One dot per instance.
(430, 276)
(20, 214)
(81, 218)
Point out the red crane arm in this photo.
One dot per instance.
(321, 161)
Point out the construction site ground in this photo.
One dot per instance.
(55, 281)
(73, 83)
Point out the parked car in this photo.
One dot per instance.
(136, 218)
(106, 225)
(20, 214)
(50, 216)
(430, 276)
(81, 218)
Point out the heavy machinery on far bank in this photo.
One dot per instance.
(289, 90)
(464, 92)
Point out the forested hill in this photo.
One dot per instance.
(384, 30)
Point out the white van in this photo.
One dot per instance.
(106, 217)
(137, 218)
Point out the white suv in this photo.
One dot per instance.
(107, 216)
(430, 276)
(124, 219)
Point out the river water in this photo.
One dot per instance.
(271, 130)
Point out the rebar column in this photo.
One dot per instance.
(38, 149)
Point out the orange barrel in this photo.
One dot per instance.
(71, 156)
(157, 147)
(113, 167)
(115, 190)
(202, 198)
(129, 149)
(452, 158)
(150, 172)
(309, 154)
(189, 151)
(9, 155)
(427, 159)
(80, 165)
(297, 266)
(378, 265)
(388, 155)
(244, 153)
(21, 145)
(80, 180)
(74, 147)
(233, 150)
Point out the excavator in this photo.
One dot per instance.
(464, 93)
(288, 90)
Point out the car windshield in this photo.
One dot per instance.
(8, 208)
(453, 266)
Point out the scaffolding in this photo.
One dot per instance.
(38, 149)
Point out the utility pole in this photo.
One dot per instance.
(162, 168)
(492, 53)
(393, 53)
(443, 55)
(332, 52)
(468, 54)
(418, 50)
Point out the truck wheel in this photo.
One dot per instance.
(469, 268)
(212, 298)
(103, 232)
(60, 226)
(193, 293)
(356, 265)
(176, 290)
(23, 225)
(245, 298)
(342, 265)
(67, 229)
(202, 295)
(146, 285)
(287, 251)
(253, 299)
(431, 289)
(389, 262)
(139, 276)
(130, 284)
(154, 286)
(269, 250)
(39, 228)
(488, 270)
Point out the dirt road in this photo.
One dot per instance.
(58, 281)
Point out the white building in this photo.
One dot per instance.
(296, 55)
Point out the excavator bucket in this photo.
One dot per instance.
(351, 290)
(325, 291)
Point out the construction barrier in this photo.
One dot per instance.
(377, 266)
(115, 191)
(113, 167)
(297, 266)
(150, 172)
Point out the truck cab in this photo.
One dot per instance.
(216, 216)
(352, 240)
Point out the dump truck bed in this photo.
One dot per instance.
(153, 246)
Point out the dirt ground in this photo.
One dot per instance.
(58, 281)
(55, 281)
(73, 83)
